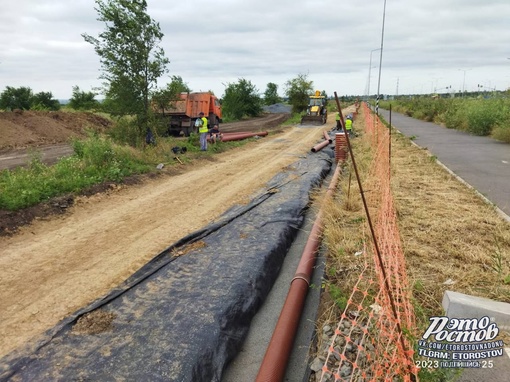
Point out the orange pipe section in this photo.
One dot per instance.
(327, 137)
(238, 136)
(277, 354)
(320, 146)
(246, 132)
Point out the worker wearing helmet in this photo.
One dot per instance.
(348, 125)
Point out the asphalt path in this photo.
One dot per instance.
(49, 154)
(482, 162)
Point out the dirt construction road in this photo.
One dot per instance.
(17, 149)
(53, 267)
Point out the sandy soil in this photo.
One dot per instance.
(53, 267)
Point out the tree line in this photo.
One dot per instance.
(241, 98)
(23, 98)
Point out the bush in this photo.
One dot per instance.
(298, 92)
(482, 117)
(95, 152)
(23, 98)
(16, 98)
(241, 99)
(477, 116)
(454, 117)
(82, 100)
(126, 131)
(502, 132)
(95, 160)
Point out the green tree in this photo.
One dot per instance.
(163, 97)
(298, 91)
(130, 57)
(271, 94)
(241, 99)
(177, 85)
(44, 101)
(16, 98)
(82, 100)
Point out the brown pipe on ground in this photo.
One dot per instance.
(327, 137)
(277, 354)
(263, 133)
(240, 136)
(320, 146)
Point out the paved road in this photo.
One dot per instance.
(482, 162)
(48, 154)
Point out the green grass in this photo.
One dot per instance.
(338, 296)
(95, 160)
(294, 119)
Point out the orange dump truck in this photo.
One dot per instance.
(181, 115)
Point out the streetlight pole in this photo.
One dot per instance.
(370, 70)
(380, 61)
(434, 80)
(464, 80)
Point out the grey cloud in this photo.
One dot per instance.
(209, 43)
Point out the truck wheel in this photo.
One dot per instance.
(190, 129)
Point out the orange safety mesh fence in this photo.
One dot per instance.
(372, 339)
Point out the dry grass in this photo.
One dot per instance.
(449, 233)
(345, 237)
(452, 239)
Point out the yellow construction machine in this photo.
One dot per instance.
(316, 112)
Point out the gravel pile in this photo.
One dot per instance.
(278, 108)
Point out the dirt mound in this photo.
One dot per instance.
(21, 129)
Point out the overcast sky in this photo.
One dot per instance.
(428, 44)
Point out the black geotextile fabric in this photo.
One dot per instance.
(183, 318)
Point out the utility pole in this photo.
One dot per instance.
(370, 70)
(464, 80)
(380, 61)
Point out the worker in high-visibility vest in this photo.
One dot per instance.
(201, 123)
(338, 122)
(348, 125)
